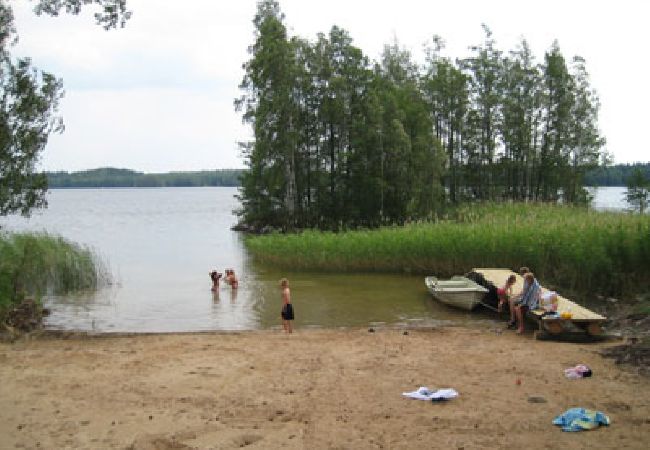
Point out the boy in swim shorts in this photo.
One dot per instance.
(287, 307)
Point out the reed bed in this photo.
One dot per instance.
(575, 248)
(34, 264)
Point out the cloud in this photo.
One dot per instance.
(157, 95)
(153, 130)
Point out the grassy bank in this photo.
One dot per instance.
(584, 250)
(34, 264)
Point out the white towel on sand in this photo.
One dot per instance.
(424, 393)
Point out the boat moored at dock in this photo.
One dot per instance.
(460, 292)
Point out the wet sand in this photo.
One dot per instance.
(314, 389)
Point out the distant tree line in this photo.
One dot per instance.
(110, 177)
(616, 175)
(340, 141)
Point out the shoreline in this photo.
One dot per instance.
(316, 388)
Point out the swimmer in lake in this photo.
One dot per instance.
(231, 278)
(215, 276)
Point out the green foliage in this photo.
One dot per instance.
(28, 104)
(643, 307)
(110, 177)
(340, 142)
(568, 246)
(638, 191)
(29, 101)
(112, 12)
(36, 264)
(269, 105)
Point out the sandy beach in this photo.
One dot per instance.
(314, 389)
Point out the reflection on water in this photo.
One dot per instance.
(159, 244)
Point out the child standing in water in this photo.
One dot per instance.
(214, 276)
(231, 278)
(287, 308)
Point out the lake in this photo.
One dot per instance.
(609, 198)
(160, 244)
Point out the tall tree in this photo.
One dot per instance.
(445, 88)
(484, 69)
(349, 95)
(584, 145)
(557, 104)
(521, 112)
(268, 192)
(28, 104)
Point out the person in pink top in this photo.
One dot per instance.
(505, 295)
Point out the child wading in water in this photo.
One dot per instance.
(287, 307)
(214, 276)
(231, 278)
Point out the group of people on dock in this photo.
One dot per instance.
(528, 299)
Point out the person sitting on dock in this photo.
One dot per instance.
(505, 294)
(514, 299)
(529, 299)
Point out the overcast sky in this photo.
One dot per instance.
(157, 95)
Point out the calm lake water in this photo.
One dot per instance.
(160, 244)
(609, 198)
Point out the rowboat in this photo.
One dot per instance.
(459, 292)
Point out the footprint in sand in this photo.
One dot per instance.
(246, 440)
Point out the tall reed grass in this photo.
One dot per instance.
(34, 264)
(575, 248)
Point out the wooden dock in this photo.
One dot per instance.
(582, 319)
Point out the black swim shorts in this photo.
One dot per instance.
(287, 312)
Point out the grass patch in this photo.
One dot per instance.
(643, 308)
(34, 264)
(576, 248)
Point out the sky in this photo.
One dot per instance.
(157, 95)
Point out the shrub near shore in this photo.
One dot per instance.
(32, 264)
(575, 248)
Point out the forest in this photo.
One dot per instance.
(111, 177)
(615, 175)
(341, 141)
